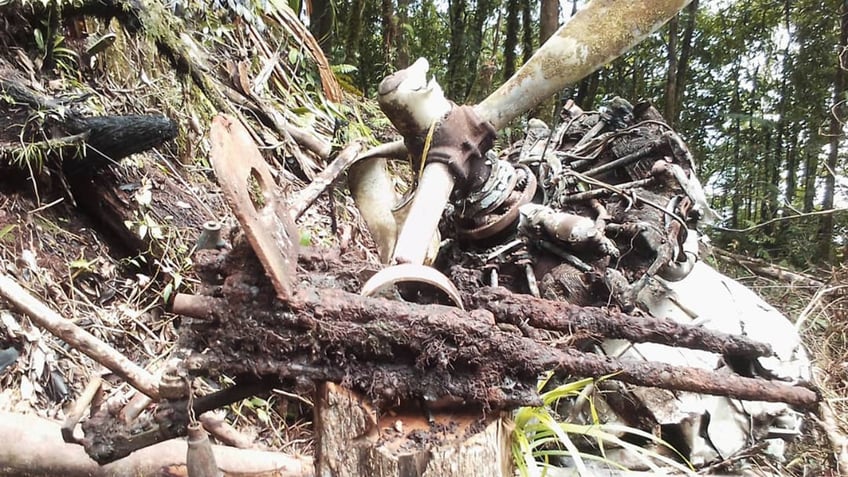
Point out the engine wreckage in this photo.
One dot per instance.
(574, 250)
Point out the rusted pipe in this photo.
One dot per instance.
(200, 460)
(197, 306)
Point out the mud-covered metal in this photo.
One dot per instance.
(255, 200)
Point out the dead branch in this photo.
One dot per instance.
(767, 270)
(308, 195)
(224, 432)
(78, 338)
(32, 446)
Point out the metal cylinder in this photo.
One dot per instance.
(430, 200)
(200, 461)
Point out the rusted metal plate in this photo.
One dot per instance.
(256, 201)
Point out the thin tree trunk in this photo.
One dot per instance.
(321, 20)
(357, 7)
(669, 109)
(587, 90)
(548, 24)
(826, 223)
(548, 19)
(737, 160)
(511, 38)
(792, 165)
(474, 45)
(683, 63)
(781, 148)
(402, 60)
(458, 15)
(387, 18)
(527, 24)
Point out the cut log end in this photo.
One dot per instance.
(353, 440)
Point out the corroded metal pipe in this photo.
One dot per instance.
(197, 306)
(200, 461)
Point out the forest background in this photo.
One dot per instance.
(757, 88)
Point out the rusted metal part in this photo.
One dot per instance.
(200, 460)
(172, 386)
(225, 433)
(255, 200)
(554, 315)
(137, 404)
(197, 306)
(375, 338)
(576, 232)
(690, 379)
(408, 272)
(461, 140)
(107, 439)
(505, 214)
(210, 236)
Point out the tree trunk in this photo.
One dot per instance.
(683, 64)
(458, 15)
(811, 167)
(837, 113)
(511, 38)
(474, 45)
(354, 440)
(781, 146)
(353, 33)
(548, 24)
(527, 25)
(737, 157)
(548, 19)
(402, 59)
(321, 20)
(670, 110)
(389, 22)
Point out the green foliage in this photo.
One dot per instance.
(540, 435)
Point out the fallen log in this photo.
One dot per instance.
(83, 147)
(33, 446)
(95, 141)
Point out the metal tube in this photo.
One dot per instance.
(434, 190)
